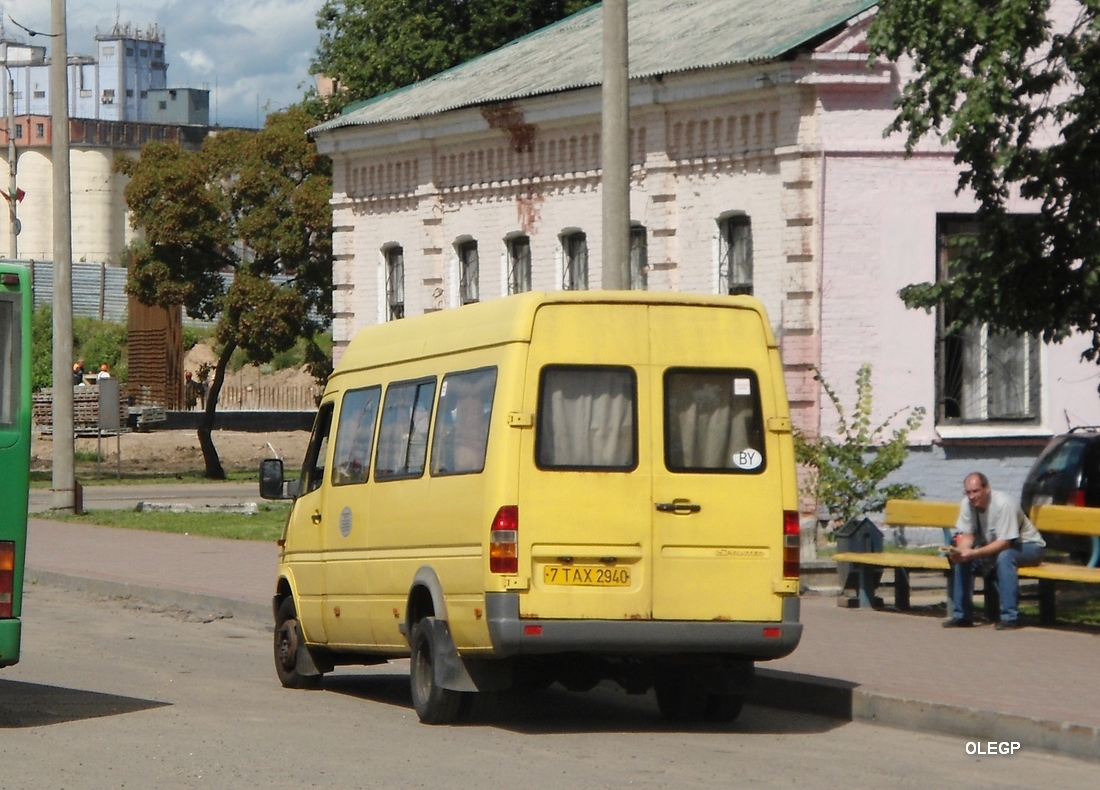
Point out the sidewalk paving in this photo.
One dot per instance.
(899, 669)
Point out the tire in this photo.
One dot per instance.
(288, 638)
(724, 708)
(681, 697)
(433, 704)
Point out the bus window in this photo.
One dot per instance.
(355, 436)
(9, 364)
(403, 434)
(313, 468)
(462, 422)
(712, 421)
(587, 418)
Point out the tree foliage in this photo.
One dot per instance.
(374, 46)
(1019, 99)
(254, 205)
(846, 473)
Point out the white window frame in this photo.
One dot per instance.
(735, 265)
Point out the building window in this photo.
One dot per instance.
(19, 131)
(639, 259)
(735, 254)
(395, 283)
(519, 264)
(108, 96)
(163, 105)
(468, 276)
(130, 93)
(982, 375)
(39, 94)
(40, 130)
(574, 247)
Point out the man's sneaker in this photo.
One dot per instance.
(1007, 625)
(958, 623)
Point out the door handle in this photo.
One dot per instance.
(678, 507)
(316, 517)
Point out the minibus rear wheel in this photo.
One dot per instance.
(433, 704)
(287, 639)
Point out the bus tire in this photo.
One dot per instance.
(433, 704)
(288, 640)
(681, 696)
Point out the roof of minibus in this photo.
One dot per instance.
(506, 320)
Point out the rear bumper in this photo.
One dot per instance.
(761, 641)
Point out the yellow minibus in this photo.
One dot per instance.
(549, 487)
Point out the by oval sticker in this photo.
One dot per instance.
(345, 521)
(747, 458)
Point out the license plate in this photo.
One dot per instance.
(586, 575)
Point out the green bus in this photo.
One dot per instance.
(16, 304)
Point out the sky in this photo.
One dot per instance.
(252, 55)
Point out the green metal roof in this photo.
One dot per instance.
(666, 36)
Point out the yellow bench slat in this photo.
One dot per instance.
(1067, 520)
(921, 513)
(895, 559)
(1066, 573)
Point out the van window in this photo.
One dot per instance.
(712, 421)
(403, 436)
(462, 422)
(313, 468)
(587, 418)
(355, 436)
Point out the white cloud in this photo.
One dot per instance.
(248, 53)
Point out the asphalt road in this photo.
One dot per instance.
(113, 694)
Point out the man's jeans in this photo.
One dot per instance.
(1008, 581)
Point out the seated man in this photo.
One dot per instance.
(993, 533)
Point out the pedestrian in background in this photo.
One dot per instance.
(994, 538)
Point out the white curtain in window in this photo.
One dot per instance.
(590, 421)
(712, 424)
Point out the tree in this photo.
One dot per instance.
(253, 205)
(846, 476)
(374, 46)
(1020, 102)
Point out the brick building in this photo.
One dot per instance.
(758, 165)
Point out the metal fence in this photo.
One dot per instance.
(269, 398)
(99, 291)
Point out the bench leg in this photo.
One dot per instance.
(901, 588)
(1047, 613)
(866, 588)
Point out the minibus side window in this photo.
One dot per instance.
(355, 436)
(313, 468)
(587, 418)
(462, 422)
(713, 421)
(403, 435)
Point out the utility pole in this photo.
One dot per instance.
(64, 478)
(615, 147)
(13, 194)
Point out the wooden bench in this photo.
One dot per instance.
(916, 513)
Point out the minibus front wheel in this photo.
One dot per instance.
(288, 649)
(433, 703)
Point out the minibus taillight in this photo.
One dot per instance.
(7, 577)
(791, 544)
(1076, 498)
(503, 540)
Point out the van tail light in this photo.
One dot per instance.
(1076, 498)
(792, 544)
(504, 541)
(7, 578)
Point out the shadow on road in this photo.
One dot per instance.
(34, 705)
(607, 708)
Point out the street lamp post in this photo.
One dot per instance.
(64, 479)
(13, 194)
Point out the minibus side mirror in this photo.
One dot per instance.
(272, 484)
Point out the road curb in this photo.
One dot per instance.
(846, 701)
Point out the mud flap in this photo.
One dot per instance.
(452, 671)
